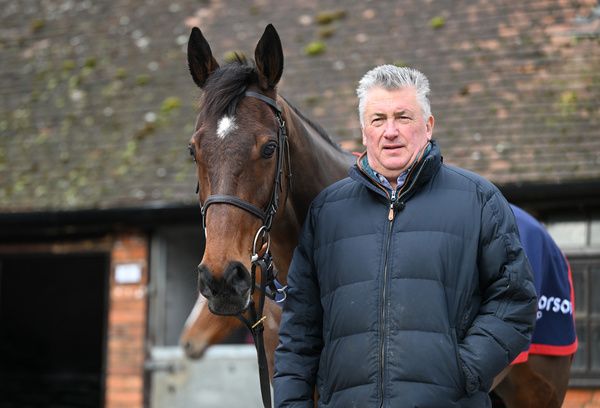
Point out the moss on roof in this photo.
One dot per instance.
(97, 104)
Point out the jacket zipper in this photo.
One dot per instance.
(391, 216)
(384, 295)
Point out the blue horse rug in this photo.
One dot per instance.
(554, 332)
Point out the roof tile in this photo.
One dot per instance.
(97, 106)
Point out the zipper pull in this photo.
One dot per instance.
(392, 200)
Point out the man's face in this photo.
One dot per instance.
(394, 130)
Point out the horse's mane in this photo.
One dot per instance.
(226, 86)
(320, 130)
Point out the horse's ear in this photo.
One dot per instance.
(269, 58)
(200, 59)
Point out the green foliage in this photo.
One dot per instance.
(68, 65)
(328, 17)
(437, 22)
(254, 10)
(231, 56)
(312, 100)
(145, 130)
(170, 104)
(567, 103)
(74, 81)
(120, 73)
(112, 89)
(142, 79)
(326, 32)
(34, 97)
(36, 25)
(130, 149)
(315, 48)
(86, 71)
(90, 63)
(51, 83)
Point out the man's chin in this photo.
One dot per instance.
(393, 168)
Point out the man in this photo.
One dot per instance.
(409, 286)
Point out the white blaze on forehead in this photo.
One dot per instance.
(225, 126)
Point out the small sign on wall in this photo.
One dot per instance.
(128, 273)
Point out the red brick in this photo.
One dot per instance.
(120, 399)
(576, 398)
(125, 367)
(134, 318)
(120, 383)
(127, 327)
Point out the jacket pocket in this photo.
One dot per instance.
(323, 382)
(461, 379)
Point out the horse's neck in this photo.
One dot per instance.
(316, 161)
(315, 164)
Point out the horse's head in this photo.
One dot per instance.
(238, 148)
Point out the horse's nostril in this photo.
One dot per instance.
(189, 348)
(206, 282)
(237, 277)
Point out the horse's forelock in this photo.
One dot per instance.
(226, 86)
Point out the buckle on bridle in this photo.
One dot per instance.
(262, 236)
(283, 291)
(258, 322)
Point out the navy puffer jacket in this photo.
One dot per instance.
(414, 302)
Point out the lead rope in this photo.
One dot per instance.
(257, 330)
(256, 322)
(265, 261)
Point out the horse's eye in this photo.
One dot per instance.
(268, 149)
(192, 152)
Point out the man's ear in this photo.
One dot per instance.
(429, 127)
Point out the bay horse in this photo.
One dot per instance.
(234, 146)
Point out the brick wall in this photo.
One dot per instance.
(127, 325)
(582, 398)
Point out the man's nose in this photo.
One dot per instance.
(391, 130)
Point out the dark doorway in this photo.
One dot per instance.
(53, 312)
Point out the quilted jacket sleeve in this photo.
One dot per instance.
(300, 334)
(504, 324)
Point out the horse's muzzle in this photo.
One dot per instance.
(227, 295)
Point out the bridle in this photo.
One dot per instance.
(283, 151)
(261, 255)
(266, 215)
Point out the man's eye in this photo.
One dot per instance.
(377, 121)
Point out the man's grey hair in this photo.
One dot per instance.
(391, 77)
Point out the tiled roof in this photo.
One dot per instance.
(97, 105)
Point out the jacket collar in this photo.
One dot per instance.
(421, 172)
